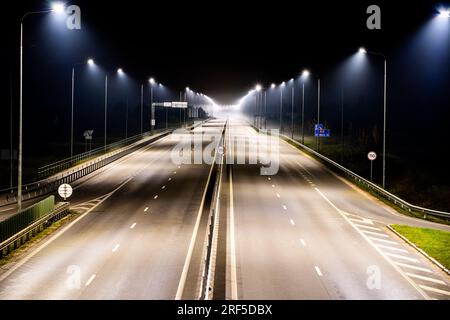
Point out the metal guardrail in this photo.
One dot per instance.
(48, 185)
(33, 228)
(206, 286)
(51, 184)
(382, 192)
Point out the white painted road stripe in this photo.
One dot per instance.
(385, 241)
(425, 278)
(404, 265)
(401, 257)
(367, 227)
(318, 271)
(163, 187)
(278, 195)
(376, 234)
(292, 222)
(284, 207)
(303, 242)
(90, 280)
(146, 209)
(133, 225)
(116, 247)
(435, 290)
(155, 197)
(392, 248)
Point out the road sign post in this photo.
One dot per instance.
(372, 156)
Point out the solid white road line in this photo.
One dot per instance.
(447, 293)
(234, 295)
(90, 280)
(116, 247)
(401, 257)
(133, 225)
(318, 271)
(425, 278)
(303, 242)
(404, 265)
(292, 222)
(383, 254)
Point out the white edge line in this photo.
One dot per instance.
(376, 248)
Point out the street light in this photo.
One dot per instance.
(364, 51)
(120, 72)
(89, 62)
(57, 8)
(152, 109)
(444, 13)
(305, 74)
(272, 86)
(283, 84)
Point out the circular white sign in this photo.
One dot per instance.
(65, 191)
(372, 156)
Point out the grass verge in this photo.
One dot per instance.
(434, 242)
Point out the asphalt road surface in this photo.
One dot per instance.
(304, 233)
(133, 238)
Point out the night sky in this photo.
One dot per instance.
(223, 49)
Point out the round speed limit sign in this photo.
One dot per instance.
(372, 156)
(65, 191)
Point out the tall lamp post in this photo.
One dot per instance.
(281, 106)
(258, 89)
(58, 8)
(305, 74)
(364, 51)
(119, 72)
(292, 107)
(88, 62)
(152, 109)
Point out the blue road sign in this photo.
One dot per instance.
(320, 131)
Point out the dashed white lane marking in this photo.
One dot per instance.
(425, 278)
(404, 265)
(133, 225)
(179, 167)
(401, 257)
(367, 227)
(146, 209)
(292, 222)
(385, 241)
(155, 197)
(318, 271)
(273, 186)
(303, 242)
(174, 172)
(116, 247)
(284, 207)
(90, 280)
(163, 187)
(376, 234)
(170, 179)
(278, 195)
(392, 248)
(435, 290)
(269, 178)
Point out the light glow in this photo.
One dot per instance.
(306, 73)
(58, 7)
(152, 81)
(362, 50)
(444, 13)
(258, 87)
(90, 62)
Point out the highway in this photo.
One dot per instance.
(132, 239)
(306, 234)
(303, 233)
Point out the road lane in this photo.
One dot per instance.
(148, 258)
(305, 204)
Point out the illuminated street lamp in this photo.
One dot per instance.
(444, 13)
(152, 109)
(364, 51)
(283, 84)
(120, 72)
(57, 8)
(89, 62)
